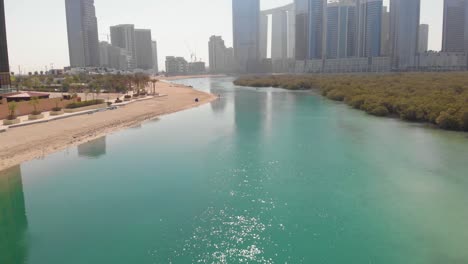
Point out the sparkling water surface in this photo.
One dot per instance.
(258, 176)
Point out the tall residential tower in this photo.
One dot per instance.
(341, 29)
(455, 25)
(154, 46)
(246, 27)
(144, 49)
(123, 36)
(83, 41)
(404, 33)
(317, 29)
(369, 27)
(423, 38)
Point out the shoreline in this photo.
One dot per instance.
(32, 142)
(183, 77)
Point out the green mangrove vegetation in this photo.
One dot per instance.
(437, 98)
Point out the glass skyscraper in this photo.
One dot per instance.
(246, 34)
(317, 42)
(310, 29)
(4, 63)
(83, 40)
(302, 29)
(455, 22)
(341, 29)
(369, 21)
(404, 33)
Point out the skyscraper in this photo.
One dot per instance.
(144, 49)
(455, 22)
(216, 50)
(302, 29)
(404, 32)
(341, 29)
(385, 39)
(263, 39)
(423, 38)
(113, 57)
(279, 34)
(317, 29)
(369, 21)
(155, 57)
(282, 31)
(123, 36)
(246, 27)
(4, 63)
(83, 41)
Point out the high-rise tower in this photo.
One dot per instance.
(246, 34)
(123, 36)
(455, 25)
(4, 63)
(83, 40)
(404, 33)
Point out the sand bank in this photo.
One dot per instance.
(22, 144)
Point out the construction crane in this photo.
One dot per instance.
(193, 54)
(107, 37)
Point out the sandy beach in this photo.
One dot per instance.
(35, 141)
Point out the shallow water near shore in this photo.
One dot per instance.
(258, 176)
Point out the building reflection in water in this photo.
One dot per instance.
(219, 105)
(13, 221)
(93, 149)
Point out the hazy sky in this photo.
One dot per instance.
(37, 34)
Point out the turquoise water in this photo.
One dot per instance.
(259, 176)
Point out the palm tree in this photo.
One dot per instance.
(12, 108)
(34, 102)
(154, 81)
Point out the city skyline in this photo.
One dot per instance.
(193, 38)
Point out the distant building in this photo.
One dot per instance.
(263, 39)
(229, 60)
(123, 36)
(404, 33)
(442, 61)
(221, 59)
(144, 49)
(216, 52)
(83, 41)
(310, 29)
(341, 29)
(113, 57)
(317, 29)
(385, 33)
(369, 27)
(196, 67)
(154, 46)
(104, 54)
(4, 63)
(302, 29)
(423, 38)
(176, 66)
(282, 32)
(246, 27)
(455, 25)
